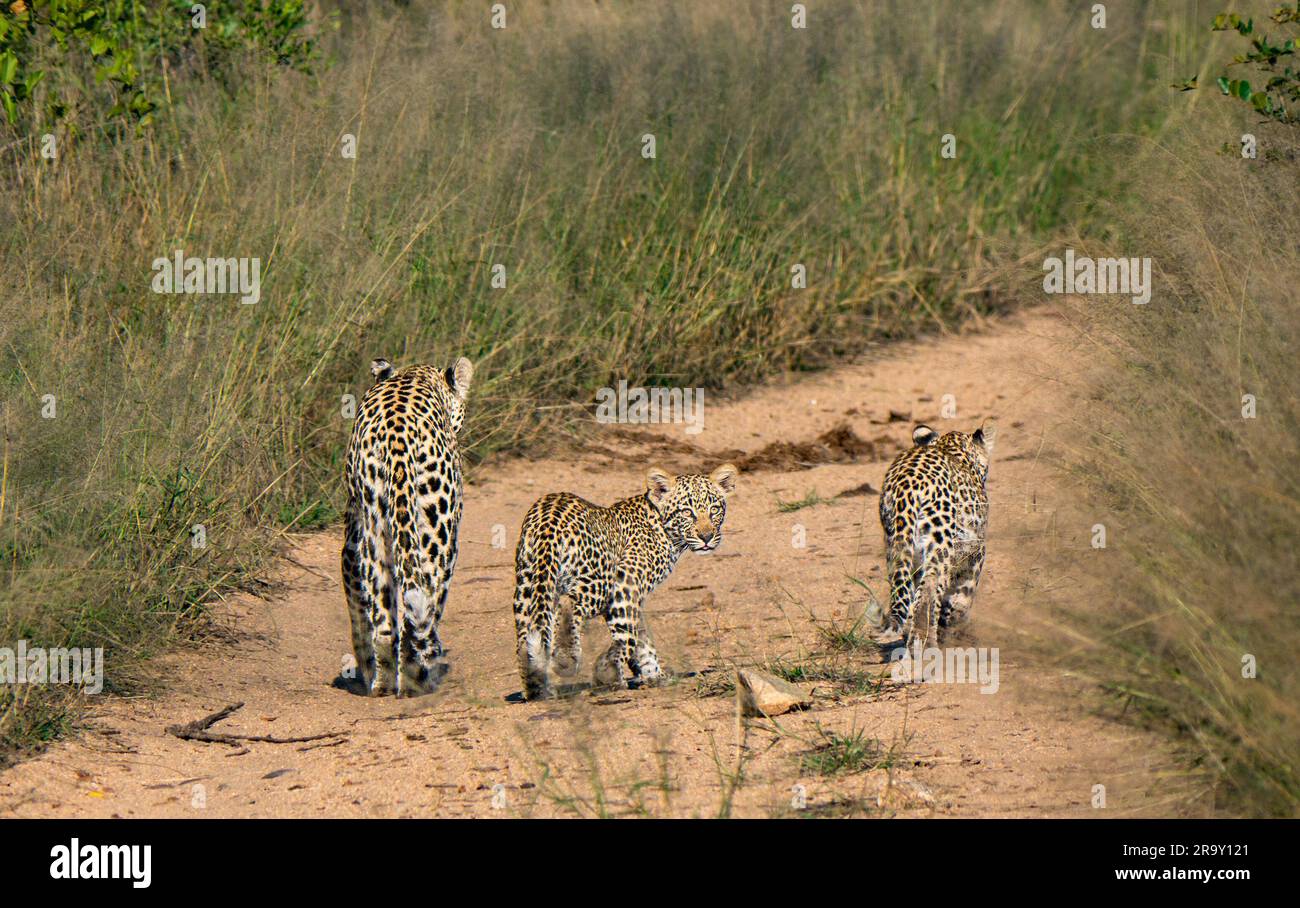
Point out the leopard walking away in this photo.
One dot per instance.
(403, 477)
(934, 510)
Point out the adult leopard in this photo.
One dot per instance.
(403, 478)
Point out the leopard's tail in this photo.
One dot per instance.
(536, 582)
(902, 583)
(420, 580)
(913, 597)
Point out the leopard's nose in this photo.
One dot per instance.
(706, 536)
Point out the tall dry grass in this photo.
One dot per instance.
(1201, 501)
(478, 147)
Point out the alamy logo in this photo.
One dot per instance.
(1106, 275)
(211, 275)
(950, 665)
(652, 405)
(75, 861)
(23, 664)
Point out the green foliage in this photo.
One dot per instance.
(119, 56)
(852, 752)
(809, 500)
(1277, 96)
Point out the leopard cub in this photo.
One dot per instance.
(606, 560)
(935, 511)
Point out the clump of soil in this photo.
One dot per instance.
(659, 443)
(865, 489)
(838, 445)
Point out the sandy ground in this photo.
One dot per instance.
(1033, 748)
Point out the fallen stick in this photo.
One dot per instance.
(335, 743)
(200, 730)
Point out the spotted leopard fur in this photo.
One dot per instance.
(404, 503)
(606, 560)
(934, 511)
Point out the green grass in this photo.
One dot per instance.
(847, 678)
(478, 147)
(848, 636)
(812, 499)
(834, 753)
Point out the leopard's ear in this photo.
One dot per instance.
(923, 435)
(658, 484)
(459, 377)
(724, 477)
(984, 436)
(381, 369)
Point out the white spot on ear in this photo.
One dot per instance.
(462, 375)
(923, 435)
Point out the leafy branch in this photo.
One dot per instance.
(1276, 90)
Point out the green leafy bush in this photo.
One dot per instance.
(1276, 92)
(119, 57)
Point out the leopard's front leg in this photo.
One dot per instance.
(623, 613)
(632, 656)
(646, 661)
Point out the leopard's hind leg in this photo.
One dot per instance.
(588, 599)
(536, 598)
(423, 664)
(957, 601)
(356, 586)
(936, 578)
(368, 578)
(566, 659)
(903, 577)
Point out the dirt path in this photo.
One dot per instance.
(472, 749)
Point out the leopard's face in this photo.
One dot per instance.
(692, 507)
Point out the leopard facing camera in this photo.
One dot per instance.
(572, 564)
